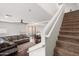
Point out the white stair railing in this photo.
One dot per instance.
(51, 31)
(49, 35)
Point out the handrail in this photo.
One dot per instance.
(51, 21)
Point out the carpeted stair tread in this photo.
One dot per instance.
(71, 21)
(70, 26)
(68, 46)
(64, 52)
(70, 29)
(67, 32)
(68, 39)
(69, 36)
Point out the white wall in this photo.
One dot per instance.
(72, 6)
(77, 5)
(51, 8)
(17, 28)
(12, 28)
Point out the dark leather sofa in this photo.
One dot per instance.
(9, 47)
(18, 39)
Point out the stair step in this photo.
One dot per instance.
(70, 26)
(73, 18)
(74, 24)
(71, 29)
(69, 38)
(63, 52)
(71, 21)
(68, 46)
(65, 23)
(67, 32)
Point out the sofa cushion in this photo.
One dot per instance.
(6, 46)
(14, 38)
(2, 40)
(22, 36)
(8, 38)
(21, 41)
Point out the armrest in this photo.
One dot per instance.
(8, 52)
(8, 47)
(8, 42)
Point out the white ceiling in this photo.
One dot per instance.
(29, 12)
(51, 8)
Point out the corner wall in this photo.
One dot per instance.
(70, 6)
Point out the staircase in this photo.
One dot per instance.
(68, 39)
